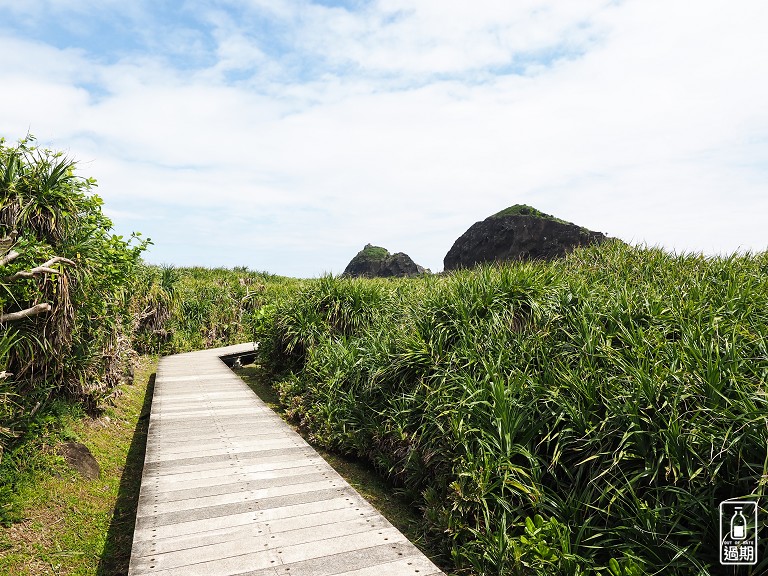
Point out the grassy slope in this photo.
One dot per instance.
(525, 210)
(619, 393)
(71, 525)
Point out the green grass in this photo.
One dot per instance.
(563, 417)
(65, 524)
(525, 210)
(371, 252)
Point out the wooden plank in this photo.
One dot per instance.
(229, 489)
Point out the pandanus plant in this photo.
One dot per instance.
(39, 192)
(64, 281)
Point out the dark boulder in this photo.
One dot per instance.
(80, 458)
(377, 262)
(518, 233)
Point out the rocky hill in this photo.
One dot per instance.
(377, 262)
(519, 232)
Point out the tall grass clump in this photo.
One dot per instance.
(184, 309)
(580, 416)
(330, 309)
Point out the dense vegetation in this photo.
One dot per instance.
(579, 416)
(188, 309)
(64, 304)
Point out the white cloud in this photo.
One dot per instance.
(437, 37)
(645, 120)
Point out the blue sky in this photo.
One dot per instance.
(284, 135)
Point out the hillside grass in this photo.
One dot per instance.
(525, 210)
(61, 523)
(580, 416)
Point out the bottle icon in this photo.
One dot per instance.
(738, 525)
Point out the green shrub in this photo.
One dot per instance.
(65, 276)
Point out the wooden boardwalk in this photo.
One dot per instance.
(229, 489)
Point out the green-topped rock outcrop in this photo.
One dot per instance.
(519, 232)
(377, 262)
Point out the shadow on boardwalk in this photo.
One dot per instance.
(117, 549)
